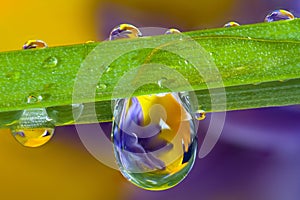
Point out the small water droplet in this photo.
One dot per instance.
(124, 31)
(161, 82)
(278, 15)
(101, 86)
(32, 44)
(50, 62)
(200, 115)
(34, 99)
(154, 140)
(231, 24)
(13, 75)
(172, 31)
(34, 128)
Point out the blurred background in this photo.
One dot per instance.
(257, 156)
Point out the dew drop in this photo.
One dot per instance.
(34, 128)
(231, 24)
(101, 86)
(34, 99)
(33, 137)
(32, 44)
(124, 31)
(200, 115)
(154, 140)
(278, 15)
(172, 31)
(50, 62)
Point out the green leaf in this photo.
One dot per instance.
(258, 65)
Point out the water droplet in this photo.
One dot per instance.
(124, 31)
(101, 86)
(50, 62)
(34, 99)
(172, 31)
(231, 24)
(32, 44)
(278, 15)
(154, 140)
(161, 82)
(34, 128)
(200, 115)
(13, 75)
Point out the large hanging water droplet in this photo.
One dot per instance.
(32, 44)
(124, 31)
(231, 24)
(278, 15)
(34, 128)
(154, 140)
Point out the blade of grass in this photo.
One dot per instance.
(253, 60)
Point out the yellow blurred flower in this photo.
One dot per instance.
(56, 22)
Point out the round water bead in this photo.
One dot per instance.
(278, 15)
(124, 31)
(231, 24)
(32, 44)
(172, 31)
(154, 139)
